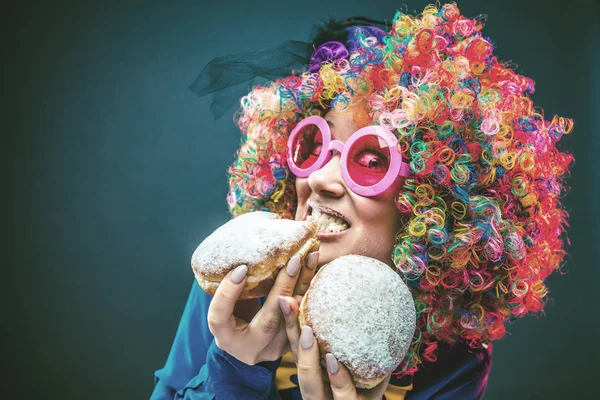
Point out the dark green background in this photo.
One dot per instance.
(115, 172)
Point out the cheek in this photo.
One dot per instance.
(302, 193)
(380, 220)
(380, 211)
(385, 223)
(302, 189)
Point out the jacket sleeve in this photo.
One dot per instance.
(459, 373)
(197, 368)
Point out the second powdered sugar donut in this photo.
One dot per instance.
(360, 311)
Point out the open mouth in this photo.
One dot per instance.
(329, 221)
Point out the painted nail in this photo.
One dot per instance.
(285, 306)
(311, 260)
(332, 364)
(293, 266)
(306, 338)
(238, 274)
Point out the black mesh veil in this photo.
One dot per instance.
(229, 78)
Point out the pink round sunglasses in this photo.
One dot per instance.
(370, 161)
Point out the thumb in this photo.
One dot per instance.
(340, 380)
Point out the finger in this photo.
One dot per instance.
(309, 367)
(339, 379)
(220, 312)
(307, 273)
(278, 346)
(289, 309)
(268, 319)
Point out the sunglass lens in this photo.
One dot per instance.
(306, 147)
(368, 160)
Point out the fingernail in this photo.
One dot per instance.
(311, 260)
(238, 274)
(306, 338)
(293, 266)
(332, 364)
(285, 306)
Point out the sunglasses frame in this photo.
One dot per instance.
(396, 168)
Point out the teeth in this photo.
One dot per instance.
(328, 223)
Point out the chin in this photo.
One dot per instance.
(329, 252)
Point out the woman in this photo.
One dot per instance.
(471, 219)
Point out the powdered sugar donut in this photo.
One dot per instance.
(360, 311)
(261, 240)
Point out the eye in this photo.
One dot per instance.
(368, 160)
(371, 159)
(307, 146)
(316, 149)
(315, 152)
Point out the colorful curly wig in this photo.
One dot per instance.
(484, 217)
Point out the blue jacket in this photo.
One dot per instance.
(197, 369)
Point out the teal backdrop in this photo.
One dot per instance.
(115, 172)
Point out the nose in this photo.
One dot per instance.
(328, 181)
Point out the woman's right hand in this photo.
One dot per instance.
(307, 357)
(262, 337)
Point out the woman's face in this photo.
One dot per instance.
(371, 222)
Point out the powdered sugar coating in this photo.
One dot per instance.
(365, 312)
(247, 239)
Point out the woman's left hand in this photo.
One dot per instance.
(306, 354)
